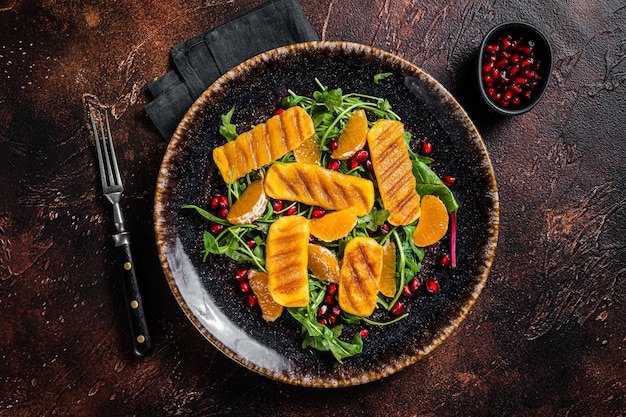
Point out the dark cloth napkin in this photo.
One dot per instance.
(201, 60)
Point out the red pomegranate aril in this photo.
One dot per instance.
(334, 165)
(362, 155)
(516, 101)
(216, 228)
(488, 80)
(336, 310)
(414, 284)
(251, 244)
(277, 205)
(244, 286)
(318, 212)
(223, 212)
(215, 202)
(291, 211)
(332, 319)
(384, 229)
(333, 145)
(241, 274)
(495, 74)
(279, 111)
(406, 291)
(432, 285)
(488, 66)
(322, 321)
(323, 310)
(353, 162)
(492, 49)
(397, 309)
(520, 80)
(514, 70)
(368, 165)
(364, 333)
(332, 288)
(449, 180)
(501, 63)
(223, 201)
(252, 301)
(444, 260)
(329, 299)
(427, 148)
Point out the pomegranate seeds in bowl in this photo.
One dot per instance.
(514, 66)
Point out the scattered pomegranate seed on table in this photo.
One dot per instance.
(449, 180)
(334, 165)
(427, 148)
(432, 285)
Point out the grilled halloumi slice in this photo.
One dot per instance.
(393, 170)
(359, 276)
(317, 186)
(286, 260)
(264, 143)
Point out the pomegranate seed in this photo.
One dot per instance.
(427, 148)
(521, 80)
(332, 288)
(488, 67)
(444, 260)
(329, 299)
(332, 319)
(384, 229)
(322, 321)
(368, 165)
(252, 300)
(223, 212)
(223, 201)
(318, 212)
(216, 228)
(449, 180)
(244, 286)
(323, 310)
(414, 284)
(362, 155)
(432, 285)
(364, 333)
(334, 165)
(353, 162)
(333, 145)
(279, 111)
(397, 309)
(291, 211)
(406, 291)
(336, 310)
(215, 202)
(492, 49)
(277, 205)
(241, 274)
(251, 244)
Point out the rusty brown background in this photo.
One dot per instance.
(547, 337)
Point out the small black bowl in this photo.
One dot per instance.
(514, 67)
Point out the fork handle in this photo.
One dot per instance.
(140, 335)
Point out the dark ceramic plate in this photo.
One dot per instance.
(206, 291)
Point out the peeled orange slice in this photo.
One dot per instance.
(352, 137)
(433, 223)
(387, 285)
(309, 151)
(250, 205)
(323, 264)
(335, 225)
(270, 309)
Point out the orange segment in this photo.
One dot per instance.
(433, 223)
(335, 225)
(250, 205)
(309, 151)
(387, 285)
(270, 309)
(323, 264)
(352, 136)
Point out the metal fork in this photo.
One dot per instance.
(113, 188)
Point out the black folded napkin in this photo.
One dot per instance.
(202, 59)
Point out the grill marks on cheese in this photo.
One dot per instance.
(286, 260)
(359, 276)
(317, 186)
(263, 144)
(394, 171)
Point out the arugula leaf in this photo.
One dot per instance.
(379, 77)
(227, 129)
(429, 183)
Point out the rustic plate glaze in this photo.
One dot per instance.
(206, 291)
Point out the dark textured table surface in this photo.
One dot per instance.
(547, 336)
